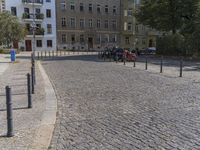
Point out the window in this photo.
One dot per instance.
(90, 7)
(64, 39)
(98, 23)
(81, 7)
(14, 11)
(127, 40)
(72, 5)
(106, 24)
(72, 22)
(48, 13)
(63, 22)
(130, 12)
(49, 43)
(129, 26)
(98, 8)
(73, 38)
(48, 1)
(82, 23)
(114, 10)
(81, 38)
(90, 23)
(39, 43)
(98, 39)
(63, 5)
(106, 9)
(114, 24)
(49, 28)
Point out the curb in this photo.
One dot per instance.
(44, 132)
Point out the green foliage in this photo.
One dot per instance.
(171, 45)
(167, 15)
(10, 29)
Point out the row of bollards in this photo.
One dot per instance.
(101, 55)
(31, 81)
(53, 54)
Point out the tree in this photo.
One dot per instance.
(11, 30)
(167, 15)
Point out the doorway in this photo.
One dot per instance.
(28, 45)
(90, 43)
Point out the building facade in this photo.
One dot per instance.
(133, 34)
(2, 5)
(38, 14)
(88, 24)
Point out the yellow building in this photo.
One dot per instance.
(134, 35)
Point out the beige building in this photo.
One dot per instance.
(88, 24)
(134, 35)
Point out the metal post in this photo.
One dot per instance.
(161, 65)
(9, 112)
(65, 52)
(134, 63)
(49, 54)
(32, 80)
(53, 54)
(29, 90)
(60, 53)
(146, 63)
(45, 53)
(181, 67)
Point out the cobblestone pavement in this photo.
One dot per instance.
(104, 106)
(25, 121)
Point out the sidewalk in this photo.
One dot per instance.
(27, 122)
(4, 63)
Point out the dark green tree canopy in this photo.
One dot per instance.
(10, 29)
(167, 15)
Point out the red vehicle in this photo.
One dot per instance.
(129, 56)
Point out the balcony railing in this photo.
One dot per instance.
(31, 16)
(38, 31)
(33, 1)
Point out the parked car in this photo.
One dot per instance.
(151, 50)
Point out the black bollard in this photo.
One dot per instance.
(29, 90)
(9, 112)
(134, 63)
(32, 80)
(146, 63)
(181, 67)
(161, 65)
(65, 52)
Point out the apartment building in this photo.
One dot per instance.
(88, 24)
(38, 14)
(133, 34)
(2, 5)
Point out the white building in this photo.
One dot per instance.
(45, 21)
(2, 5)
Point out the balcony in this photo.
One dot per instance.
(29, 17)
(33, 2)
(39, 32)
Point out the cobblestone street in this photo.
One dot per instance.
(104, 106)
